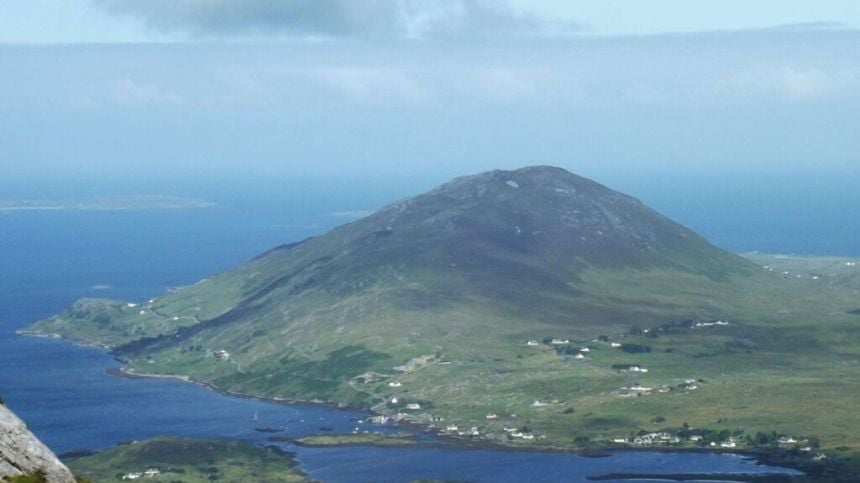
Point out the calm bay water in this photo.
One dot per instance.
(50, 259)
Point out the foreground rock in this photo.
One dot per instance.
(22, 454)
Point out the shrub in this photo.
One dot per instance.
(37, 477)
(635, 348)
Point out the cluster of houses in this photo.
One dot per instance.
(637, 389)
(539, 403)
(730, 443)
(689, 385)
(553, 341)
(631, 368)
(222, 355)
(380, 419)
(663, 438)
(651, 439)
(517, 434)
(454, 429)
(150, 473)
(787, 442)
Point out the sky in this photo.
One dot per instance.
(83, 21)
(125, 89)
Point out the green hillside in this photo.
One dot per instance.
(188, 461)
(432, 301)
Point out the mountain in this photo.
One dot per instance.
(22, 454)
(520, 239)
(424, 309)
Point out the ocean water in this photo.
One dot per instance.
(50, 259)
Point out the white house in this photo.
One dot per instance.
(615, 345)
(638, 388)
(394, 400)
(585, 349)
(559, 341)
(729, 444)
(413, 406)
(532, 343)
(394, 384)
(491, 416)
(579, 356)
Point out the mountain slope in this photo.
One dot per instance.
(22, 454)
(512, 235)
(431, 300)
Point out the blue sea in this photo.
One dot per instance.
(50, 259)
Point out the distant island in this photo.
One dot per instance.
(107, 203)
(528, 308)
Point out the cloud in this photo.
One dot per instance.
(335, 18)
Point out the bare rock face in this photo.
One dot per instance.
(22, 454)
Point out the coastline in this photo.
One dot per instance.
(453, 442)
(130, 374)
(446, 441)
(80, 343)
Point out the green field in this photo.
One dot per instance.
(189, 461)
(790, 345)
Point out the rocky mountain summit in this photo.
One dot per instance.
(21, 453)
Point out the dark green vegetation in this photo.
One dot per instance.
(189, 461)
(356, 439)
(432, 301)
